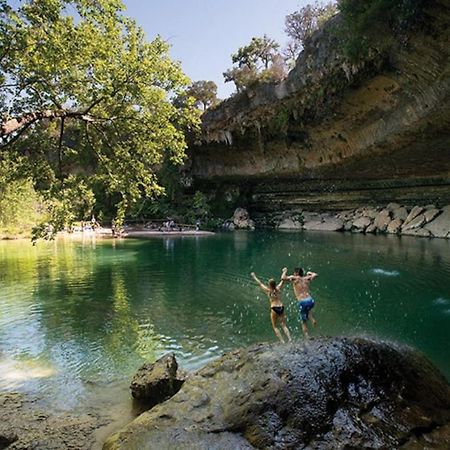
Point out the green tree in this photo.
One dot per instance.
(256, 62)
(301, 24)
(204, 93)
(364, 23)
(88, 102)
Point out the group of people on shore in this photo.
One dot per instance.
(300, 282)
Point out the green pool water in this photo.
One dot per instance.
(77, 318)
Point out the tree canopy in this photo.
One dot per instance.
(301, 24)
(87, 106)
(258, 61)
(204, 92)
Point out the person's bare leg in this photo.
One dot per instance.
(285, 328)
(313, 321)
(305, 329)
(273, 318)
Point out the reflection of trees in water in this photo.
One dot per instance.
(124, 333)
(112, 307)
(21, 333)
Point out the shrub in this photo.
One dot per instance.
(364, 20)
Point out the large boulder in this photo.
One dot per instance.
(382, 220)
(400, 213)
(431, 214)
(362, 223)
(418, 232)
(417, 222)
(321, 394)
(324, 224)
(413, 214)
(290, 224)
(440, 226)
(241, 219)
(158, 381)
(394, 226)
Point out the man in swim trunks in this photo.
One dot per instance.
(305, 302)
(276, 306)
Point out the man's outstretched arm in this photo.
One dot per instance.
(286, 277)
(311, 275)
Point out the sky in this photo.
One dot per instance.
(204, 33)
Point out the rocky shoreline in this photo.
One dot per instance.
(349, 392)
(421, 221)
(23, 426)
(324, 393)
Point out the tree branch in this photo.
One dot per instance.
(61, 135)
(10, 126)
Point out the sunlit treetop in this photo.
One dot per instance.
(88, 102)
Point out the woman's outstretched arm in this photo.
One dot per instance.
(261, 284)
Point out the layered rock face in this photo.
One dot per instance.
(325, 393)
(335, 136)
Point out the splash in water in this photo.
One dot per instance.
(386, 273)
(441, 301)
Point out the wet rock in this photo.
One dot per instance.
(348, 225)
(241, 219)
(382, 220)
(415, 223)
(394, 226)
(371, 228)
(325, 393)
(400, 213)
(158, 381)
(370, 212)
(326, 224)
(440, 226)
(419, 232)
(290, 224)
(362, 223)
(430, 214)
(345, 215)
(413, 214)
(393, 206)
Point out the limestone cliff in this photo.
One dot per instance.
(336, 135)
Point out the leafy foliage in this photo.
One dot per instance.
(87, 103)
(301, 24)
(256, 62)
(204, 92)
(365, 21)
(20, 208)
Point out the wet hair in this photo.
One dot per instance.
(272, 284)
(299, 271)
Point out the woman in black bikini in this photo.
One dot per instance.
(276, 306)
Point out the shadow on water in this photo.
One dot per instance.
(78, 318)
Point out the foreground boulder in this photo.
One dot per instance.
(156, 382)
(325, 393)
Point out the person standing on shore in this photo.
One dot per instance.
(305, 302)
(273, 291)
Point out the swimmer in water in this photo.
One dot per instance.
(276, 306)
(305, 302)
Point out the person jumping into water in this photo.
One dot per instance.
(305, 302)
(276, 306)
